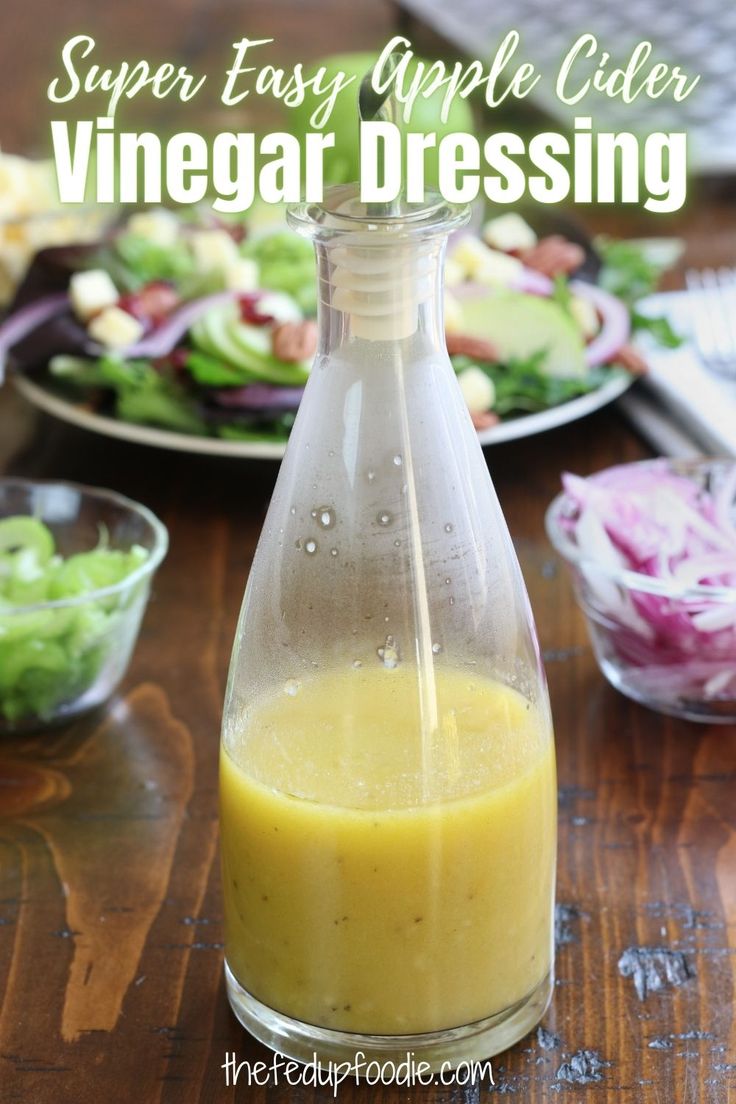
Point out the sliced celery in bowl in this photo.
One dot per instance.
(76, 565)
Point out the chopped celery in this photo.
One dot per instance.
(26, 534)
(94, 570)
(51, 656)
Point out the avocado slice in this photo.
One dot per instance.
(217, 340)
(222, 336)
(201, 339)
(254, 343)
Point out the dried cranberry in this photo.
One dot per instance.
(250, 313)
(152, 303)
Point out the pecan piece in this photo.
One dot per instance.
(631, 359)
(294, 341)
(477, 348)
(553, 256)
(484, 419)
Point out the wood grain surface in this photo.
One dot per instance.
(110, 912)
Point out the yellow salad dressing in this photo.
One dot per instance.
(380, 881)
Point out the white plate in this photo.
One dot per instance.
(263, 450)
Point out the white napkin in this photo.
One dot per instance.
(699, 404)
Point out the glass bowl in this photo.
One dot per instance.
(67, 656)
(644, 629)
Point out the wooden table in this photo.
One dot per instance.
(110, 912)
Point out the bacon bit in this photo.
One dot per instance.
(292, 341)
(237, 232)
(485, 419)
(474, 347)
(250, 313)
(632, 360)
(553, 256)
(152, 303)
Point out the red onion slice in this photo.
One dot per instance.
(615, 323)
(161, 341)
(257, 396)
(534, 283)
(26, 320)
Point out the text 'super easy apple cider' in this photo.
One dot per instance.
(387, 766)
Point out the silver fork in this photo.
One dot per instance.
(712, 303)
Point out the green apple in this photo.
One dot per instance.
(342, 164)
(521, 325)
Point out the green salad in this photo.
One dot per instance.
(206, 328)
(51, 654)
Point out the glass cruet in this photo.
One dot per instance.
(388, 807)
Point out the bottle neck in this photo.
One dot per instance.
(380, 294)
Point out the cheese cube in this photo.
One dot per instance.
(509, 232)
(90, 292)
(478, 390)
(453, 314)
(585, 314)
(468, 254)
(454, 273)
(498, 269)
(213, 249)
(241, 275)
(484, 265)
(115, 328)
(159, 226)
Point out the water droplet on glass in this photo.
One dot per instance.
(386, 618)
(384, 518)
(293, 511)
(397, 543)
(292, 687)
(333, 551)
(298, 545)
(449, 527)
(371, 476)
(448, 581)
(389, 653)
(314, 513)
(452, 601)
(436, 648)
(326, 516)
(357, 664)
(310, 546)
(405, 488)
(398, 461)
(331, 452)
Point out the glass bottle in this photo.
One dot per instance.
(388, 801)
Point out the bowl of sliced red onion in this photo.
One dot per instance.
(652, 551)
